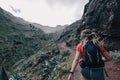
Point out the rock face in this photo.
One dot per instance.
(103, 16)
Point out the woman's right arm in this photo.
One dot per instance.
(105, 54)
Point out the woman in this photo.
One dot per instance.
(88, 72)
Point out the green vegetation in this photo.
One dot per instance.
(28, 53)
(52, 65)
(115, 56)
(61, 70)
(70, 34)
(18, 39)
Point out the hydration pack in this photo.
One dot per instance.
(92, 56)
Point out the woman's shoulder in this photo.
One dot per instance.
(79, 46)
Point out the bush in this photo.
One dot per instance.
(43, 57)
(65, 53)
(59, 73)
(115, 56)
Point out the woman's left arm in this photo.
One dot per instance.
(74, 65)
(75, 61)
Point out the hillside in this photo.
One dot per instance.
(102, 16)
(69, 34)
(48, 29)
(28, 53)
(25, 46)
(18, 39)
(53, 32)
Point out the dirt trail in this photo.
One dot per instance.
(113, 70)
(77, 75)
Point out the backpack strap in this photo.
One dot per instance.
(96, 43)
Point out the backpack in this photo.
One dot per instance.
(92, 56)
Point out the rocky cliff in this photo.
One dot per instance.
(103, 16)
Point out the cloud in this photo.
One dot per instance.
(80, 9)
(46, 12)
(78, 6)
(15, 9)
(65, 2)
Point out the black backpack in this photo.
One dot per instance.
(92, 56)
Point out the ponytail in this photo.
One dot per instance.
(87, 34)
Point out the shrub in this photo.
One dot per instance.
(59, 73)
(115, 56)
(43, 56)
(65, 53)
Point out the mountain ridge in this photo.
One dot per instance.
(46, 29)
(18, 39)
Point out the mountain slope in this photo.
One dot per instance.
(102, 16)
(18, 39)
(48, 29)
(69, 34)
(27, 52)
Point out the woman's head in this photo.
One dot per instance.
(87, 34)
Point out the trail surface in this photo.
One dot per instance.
(113, 70)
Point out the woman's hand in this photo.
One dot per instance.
(70, 77)
(103, 58)
(106, 57)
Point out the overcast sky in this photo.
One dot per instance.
(46, 12)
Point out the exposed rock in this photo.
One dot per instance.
(103, 16)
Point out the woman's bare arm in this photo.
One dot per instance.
(75, 61)
(106, 56)
(74, 65)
